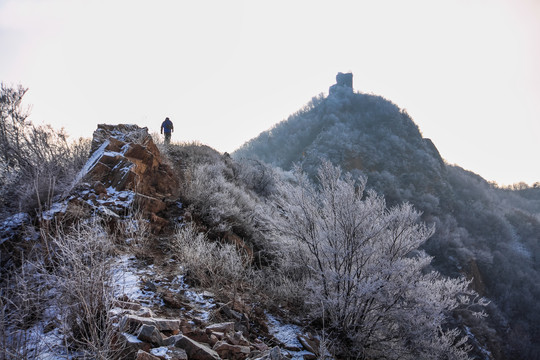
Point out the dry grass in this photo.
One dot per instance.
(22, 304)
(81, 274)
(220, 267)
(68, 284)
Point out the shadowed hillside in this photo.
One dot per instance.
(489, 234)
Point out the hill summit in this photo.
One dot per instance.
(361, 133)
(482, 231)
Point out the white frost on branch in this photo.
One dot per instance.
(365, 273)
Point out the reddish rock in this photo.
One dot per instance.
(167, 324)
(133, 159)
(237, 338)
(310, 343)
(213, 339)
(99, 171)
(218, 335)
(150, 204)
(228, 351)
(124, 158)
(259, 345)
(99, 188)
(150, 334)
(114, 144)
(196, 350)
(131, 323)
(171, 340)
(172, 300)
(145, 312)
(186, 327)
(221, 327)
(157, 223)
(200, 336)
(143, 355)
(121, 132)
(131, 345)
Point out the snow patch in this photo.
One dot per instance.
(8, 226)
(127, 281)
(113, 153)
(132, 339)
(122, 198)
(92, 161)
(285, 333)
(58, 207)
(36, 343)
(160, 352)
(203, 301)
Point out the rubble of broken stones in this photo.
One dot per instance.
(148, 337)
(125, 170)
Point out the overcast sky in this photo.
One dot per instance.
(467, 71)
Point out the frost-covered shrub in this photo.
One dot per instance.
(209, 263)
(257, 176)
(221, 202)
(365, 276)
(36, 162)
(134, 231)
(81, 275)
(65, 282)
(22, 304)
(223, 196)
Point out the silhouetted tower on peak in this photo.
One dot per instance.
(343, 80)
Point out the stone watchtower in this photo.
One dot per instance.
(343, 80)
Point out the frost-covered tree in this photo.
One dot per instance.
(365, 276)
(36, 162)
(227, 197)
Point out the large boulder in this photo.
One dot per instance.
(150, 334)
(196, 350)
(126, 158)
(126, 170)
(230, 351)
(131, 322)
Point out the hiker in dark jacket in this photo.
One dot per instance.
(167, 128)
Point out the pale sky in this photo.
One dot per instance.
(467, 71)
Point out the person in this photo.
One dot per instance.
(167, 128)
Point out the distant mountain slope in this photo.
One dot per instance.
(484, 232)
(359, 132)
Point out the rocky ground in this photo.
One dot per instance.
(162, 317)
(158, 313)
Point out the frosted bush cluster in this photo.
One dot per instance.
(366, 277)
(481, 229)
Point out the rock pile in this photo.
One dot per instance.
(178, 322)
(148, 337)
(125, 171)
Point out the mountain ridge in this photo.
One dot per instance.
(481, 229)
(355, 131)
(243, 230)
